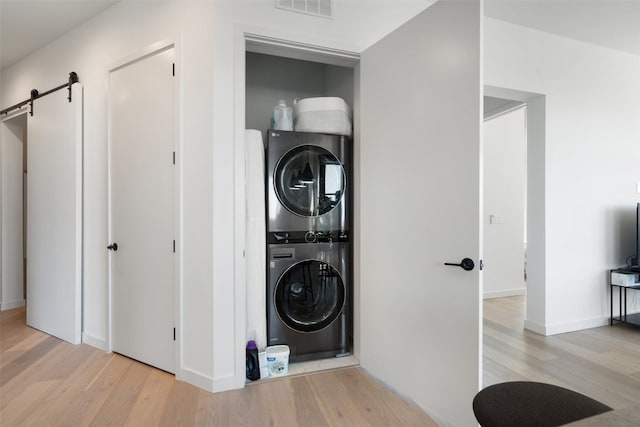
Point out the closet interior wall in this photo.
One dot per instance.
(271, 78)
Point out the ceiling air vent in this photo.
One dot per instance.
(321, 8)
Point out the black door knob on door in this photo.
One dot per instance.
(113, 247)
(466, 264)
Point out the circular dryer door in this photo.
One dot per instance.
(309, 296)
(309, 180)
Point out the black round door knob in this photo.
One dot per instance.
(113, 247)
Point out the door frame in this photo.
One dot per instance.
(535, 313)
(4, 123)
(289, 45)
(178, 142)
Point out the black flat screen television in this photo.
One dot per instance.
(636, 259)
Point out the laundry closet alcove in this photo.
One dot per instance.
(278, 70)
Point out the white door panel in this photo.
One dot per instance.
(54, 214)
(420, 199)
(142, 209)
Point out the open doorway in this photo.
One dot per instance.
(505, 171)
(513, 309)
(13, 169)
(504, 222)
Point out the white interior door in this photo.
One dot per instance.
(54, 215)
(420, 207)
(142, 209)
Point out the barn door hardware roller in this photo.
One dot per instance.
(73, 78)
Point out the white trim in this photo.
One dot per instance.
(94, 341)
(155, 48)
(109, 203)
(8, 305)
(240, 223)
(229, 382)
(178, 202)
(261, 43)
(77, 91)
(481, 205)
(195, 378)
(572, 326)
(493, 114)
(243, 36)
(504, 293)
(535, 327)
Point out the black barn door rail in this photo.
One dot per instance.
(73, 78)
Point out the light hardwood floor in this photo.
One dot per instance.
(603, 363)
(44, 381)
(48, 382)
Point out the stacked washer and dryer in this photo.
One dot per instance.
(308, 199)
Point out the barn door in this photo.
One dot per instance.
(54, 215)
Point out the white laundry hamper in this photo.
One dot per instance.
(322, 115)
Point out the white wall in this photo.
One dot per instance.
(356, 25)
(591, 158)
(90, 50)
(271, 78)
(504, 204)
(212, 292)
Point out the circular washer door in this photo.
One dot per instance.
(309, 296)
(309, 180)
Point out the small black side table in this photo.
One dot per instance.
(623, 317)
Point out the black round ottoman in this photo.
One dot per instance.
(525, 403)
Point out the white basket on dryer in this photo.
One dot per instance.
(322, 115)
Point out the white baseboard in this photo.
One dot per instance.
(8, 305)
(227, 383)
(504, 293)
(535, 327)
(196, 379)
(561, 328)
(93, 341)
(205, 382)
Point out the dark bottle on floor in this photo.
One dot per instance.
(253, 365)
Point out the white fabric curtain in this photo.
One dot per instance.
(255, 239)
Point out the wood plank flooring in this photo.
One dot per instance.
(603, 363)
(48, 382)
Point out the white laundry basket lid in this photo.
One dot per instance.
(326, 103)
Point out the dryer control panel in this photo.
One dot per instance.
(311, 236)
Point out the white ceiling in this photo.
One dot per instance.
(27, 25)
(609, 23)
